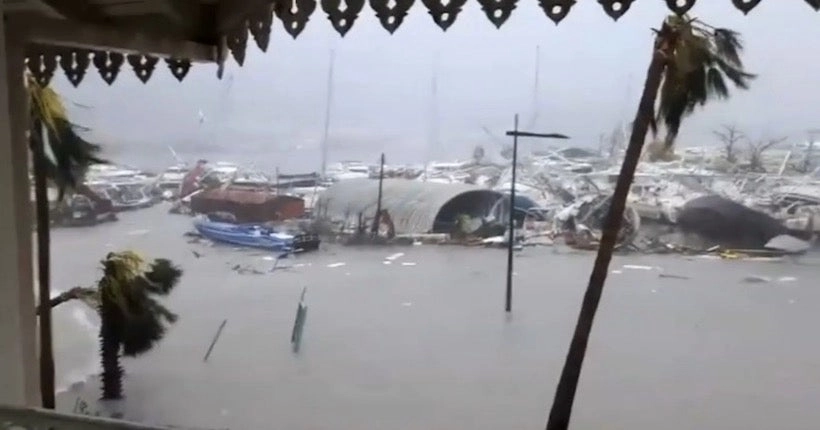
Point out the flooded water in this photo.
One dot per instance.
(423, 342)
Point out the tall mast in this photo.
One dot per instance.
(432, 143)
(327, 112)
(535, 88)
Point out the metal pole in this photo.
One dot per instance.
(277, 181)
(511, 227)
(377, 218)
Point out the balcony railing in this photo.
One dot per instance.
(17, 418)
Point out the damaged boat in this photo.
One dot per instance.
(255, 236)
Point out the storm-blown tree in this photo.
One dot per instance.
(59, 156)
(132, 321)
(683, 49)
(702, 63)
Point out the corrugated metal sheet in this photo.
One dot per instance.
(413, 205)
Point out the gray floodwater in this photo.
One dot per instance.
(423, 343)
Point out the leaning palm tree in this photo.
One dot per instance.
(132, 321)
(60, 155)
(703, 62)
(674, 46)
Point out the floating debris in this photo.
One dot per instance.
(408, 263)
(671, 276)
(332, 265)
(394, 256)
(216, 338)
(637, 267)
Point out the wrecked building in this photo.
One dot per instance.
(248, 206)
(415, 207)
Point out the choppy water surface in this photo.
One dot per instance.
(427, 345)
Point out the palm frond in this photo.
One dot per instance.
(162, 276)
(715, 83)
(703, 59)
(70, 154)
(728, 45)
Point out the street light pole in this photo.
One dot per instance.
(511, 226)
(515, 133)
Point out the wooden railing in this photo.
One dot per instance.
(17, 418)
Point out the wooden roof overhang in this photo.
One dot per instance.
(111, 34)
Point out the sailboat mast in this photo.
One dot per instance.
(432, 144)
(535, 88)
(327, 112)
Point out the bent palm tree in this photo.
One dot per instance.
(671, 44)
(131, 320)
(70, 156)
(701, 62)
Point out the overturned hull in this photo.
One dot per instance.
(723, 222)
(248, 206)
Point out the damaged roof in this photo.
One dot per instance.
(413, 205)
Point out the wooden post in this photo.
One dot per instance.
(18, 333)
(47, 388)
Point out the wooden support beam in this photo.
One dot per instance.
(181, 12)
(124, 39)
(77, 10)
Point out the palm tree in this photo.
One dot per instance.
(132, 321)
(70, 155)
(676, 42)
(702, 60)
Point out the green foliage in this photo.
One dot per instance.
(70, 154)
(128, 287)
(703, 59)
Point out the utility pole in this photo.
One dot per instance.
(515, 133)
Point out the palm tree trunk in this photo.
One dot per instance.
(110, 350)
(37, 140)
(568, 384)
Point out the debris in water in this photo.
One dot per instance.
(336, 265)
(786, 279)
(408, 263)
(617, 272)
(636, 267)
(299, 324)
(216, 338)
(671, 276)
(394, 256)
(387, 262)
(196, 254)
(755, 279)
(789, 244)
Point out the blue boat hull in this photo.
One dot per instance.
(250, 236)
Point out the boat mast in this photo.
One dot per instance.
(535, 88)
(327, 112)
(433, 138)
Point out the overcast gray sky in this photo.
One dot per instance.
(592, 71)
